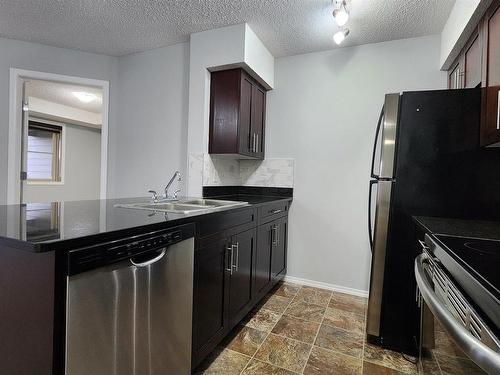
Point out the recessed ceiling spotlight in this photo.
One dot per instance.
(340, 14)
(340, 36)
(85, 97)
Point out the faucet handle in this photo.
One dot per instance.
(175, 193)
(155, 195)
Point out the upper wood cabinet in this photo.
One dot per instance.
(237, 114)
(478, 65)
(472, 63)
(466, 71)
(490, 124)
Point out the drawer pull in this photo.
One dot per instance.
(275, 211)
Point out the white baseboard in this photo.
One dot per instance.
(319, 284)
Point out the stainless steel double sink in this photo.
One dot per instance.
(184, 206)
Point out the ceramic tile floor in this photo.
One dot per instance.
(304, 330)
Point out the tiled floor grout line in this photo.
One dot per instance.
(270, 331)
(317, 333)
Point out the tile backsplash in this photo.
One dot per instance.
(225, 171)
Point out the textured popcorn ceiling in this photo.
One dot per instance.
(62, 93)
(287, 27)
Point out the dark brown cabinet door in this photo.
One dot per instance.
(237, 114)
(455, 77)
(224, 112)
(279, 240)
(245, 128)
(263, 258)
(490, 126)
(473, 64)
(240, 287)
(209, 297)
(258, 118)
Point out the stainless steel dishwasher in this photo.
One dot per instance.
(129, 305)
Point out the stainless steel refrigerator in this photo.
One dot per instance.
(426, 162)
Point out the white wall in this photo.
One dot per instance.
(82, 169)
(323, 113)
(148, 140)
(30, 56)
(230, 46)
(258, 58)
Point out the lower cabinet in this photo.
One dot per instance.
(241, 256)
(270, 259)
(223, 273)
(231, 275)
(210, 296)
(279, 246)
(262, 279)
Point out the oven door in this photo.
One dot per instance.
(453, 338)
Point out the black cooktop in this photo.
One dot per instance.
(480, 256)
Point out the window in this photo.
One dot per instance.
(43, 221)
(44, 152)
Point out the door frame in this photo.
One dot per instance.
(15, 107)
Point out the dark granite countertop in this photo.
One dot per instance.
(41, 227)
(459, 227)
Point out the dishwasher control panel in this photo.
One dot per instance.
(102, 254)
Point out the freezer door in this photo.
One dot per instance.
(382, 208)
(385, 139)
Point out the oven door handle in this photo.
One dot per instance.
(481, 354)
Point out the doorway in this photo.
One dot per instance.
(58, 131)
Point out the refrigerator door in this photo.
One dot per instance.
(385, 139)
(382, 208)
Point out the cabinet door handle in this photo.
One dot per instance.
(275, 235)
(237, 260)
(231, 259)
(254, 148)
(257, 142)
(498, 111)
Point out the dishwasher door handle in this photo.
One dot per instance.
(151, 261)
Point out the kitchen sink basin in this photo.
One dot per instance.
(209, 202)
(185, 206)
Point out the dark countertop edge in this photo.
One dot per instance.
(73, 243)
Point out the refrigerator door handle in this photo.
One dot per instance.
(370, 233)
(377, 133)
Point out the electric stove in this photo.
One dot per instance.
(474, 263)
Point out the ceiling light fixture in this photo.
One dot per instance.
(340, 36)
(340, 14)
(85, 97)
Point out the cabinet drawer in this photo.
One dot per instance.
(223, 221)
(273, 210)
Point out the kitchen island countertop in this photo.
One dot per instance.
(42, 227)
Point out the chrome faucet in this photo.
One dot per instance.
(177, 175)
